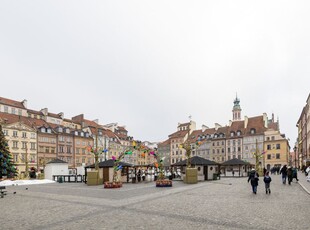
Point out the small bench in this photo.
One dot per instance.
(2, 191)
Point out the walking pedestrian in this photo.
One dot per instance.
(253, 177)
(267, 180)
(295, 174)
(289, 175)
(283, 171)
(143, 174)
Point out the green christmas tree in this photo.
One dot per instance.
(7, 167)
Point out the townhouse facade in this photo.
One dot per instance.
(81, 141)
(22, 140)
(178, 138)
(69, 139)
(240, 139)
(303, 139)
(53, 136)
(276, 149)
(163, 149)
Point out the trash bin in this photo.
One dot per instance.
(60, 179)
(214, 176)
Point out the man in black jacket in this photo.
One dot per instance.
(254, 178)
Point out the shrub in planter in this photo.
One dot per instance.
(164, 183)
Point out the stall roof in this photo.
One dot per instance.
(196, 160)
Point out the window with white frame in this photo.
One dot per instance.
(33, 145)
(24, 145)
(15, 144)
(15, 157)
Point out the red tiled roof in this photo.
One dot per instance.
(10, 102)
(12, 118)
(193, 137)
(209, 131)
(235, 126)
(121, 128)
(223, 130)
(39, 123)
(256, 123)
(164, 143)
(181, 133)
(34, 112)
(273, 125)
(91, 123)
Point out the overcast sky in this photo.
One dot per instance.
(150, 64)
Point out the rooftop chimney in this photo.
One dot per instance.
(44, 111)
(204, 127)
(24, 102)
(217, 126)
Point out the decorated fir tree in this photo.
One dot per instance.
(7, 167)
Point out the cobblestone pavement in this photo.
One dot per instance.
(224, 204)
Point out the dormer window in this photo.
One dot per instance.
(215, 135)
(76, 133)
(67, 130)
(82, 134)
(87, 134)
(238, 133)
(59, 129)
(43, 130)
(253, 131)
(232, 134)
(49, 130)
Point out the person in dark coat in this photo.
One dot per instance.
(289, 175)
(267, 180)
(254, 178)
(295, 174)
(283, 171)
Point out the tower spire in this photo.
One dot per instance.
(236, 109)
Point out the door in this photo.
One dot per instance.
(205, 172)
(105, 174)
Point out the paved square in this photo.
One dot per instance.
(224, 204)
